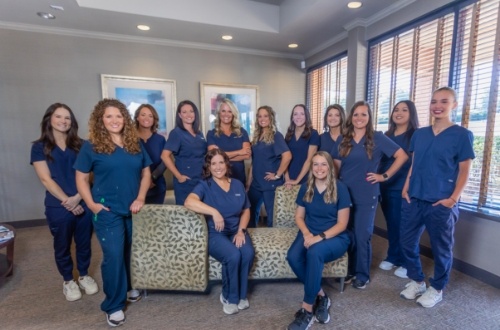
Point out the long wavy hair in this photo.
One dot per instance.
(99, 135)
(308, 127)
(156, 118)
(47, 136)
(330, 195)
(178, 119)
(208, 160)
(412, 123)
(235, 123)
(341, 111)
(346, 146)
(265, 135)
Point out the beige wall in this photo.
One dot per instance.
(38, 69)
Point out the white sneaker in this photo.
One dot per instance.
(227, 307)
(401, 272)
(88, 284)
(71, 291)
(386, 265)
(134, 295)
(430, 298)
(413, 290)
(243, 304)
(116, 319)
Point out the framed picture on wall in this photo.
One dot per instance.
(245, 97)
(134, 91)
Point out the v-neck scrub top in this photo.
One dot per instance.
(117, 176)
(436, 161)
(61, 170)
(154, 146)
(397, 181)
(299, 149)
(189, 152)
(231, 143)
(356, 165)
(230, 204)
(267, 158)
(321, 216)
(327, 143)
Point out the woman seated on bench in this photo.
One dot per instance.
(322, 215)
(227, 209)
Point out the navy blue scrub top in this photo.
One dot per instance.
(231, 143)
(436, 161)
(117, 176)
(229, 204)
(61, 170)
(397, 181)
(189, 152)
(154, 146)
(321, 216)
(267, 158)
(356, 165)
(299, 149)
(327, 143)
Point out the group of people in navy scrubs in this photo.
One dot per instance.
(418, 174)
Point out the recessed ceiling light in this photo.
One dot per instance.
(227, 37)
(143, 27)
(56, 7)
(293, 45)
(354, 4)
(45, 15)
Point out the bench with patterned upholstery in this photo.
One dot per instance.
(169, 248)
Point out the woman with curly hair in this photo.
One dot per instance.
(188, 146)
(358, 159)
(270, 159)
(228, 135)
(224, 202)
(146, 121)
(121, 178)
(333, 128)
(52, 157)
(303, 142)
(322, 215)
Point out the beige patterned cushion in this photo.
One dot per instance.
(271, 247)
(284, 207)
(169, 249)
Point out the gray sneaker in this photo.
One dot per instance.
(413, 290)
(322, 311)
(303, 320)
(228, 308)
(430, 298)
(71, 291)
(243, 304)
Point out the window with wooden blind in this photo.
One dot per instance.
(326, 85)
(459, 48)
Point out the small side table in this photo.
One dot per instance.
(9, 244)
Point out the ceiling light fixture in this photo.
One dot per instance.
(293, 45)
(143, 27)
(227, 37)
(56, 7)
(354, 4)
(45, 15)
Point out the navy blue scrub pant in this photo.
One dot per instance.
(236, 264)
(182, 190)
(114, 233)
(256, 197)
(308, 264)
(361, 223)
(64, 227)
(156, 199)
(440, 224)
(391, 207)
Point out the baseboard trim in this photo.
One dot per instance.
(461, 266)
(28, 223)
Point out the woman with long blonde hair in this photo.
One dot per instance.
(322, 215)
(270, 159)
(121, 178)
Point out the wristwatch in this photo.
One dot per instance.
(276, 176)
(385, 176)
(322, 235)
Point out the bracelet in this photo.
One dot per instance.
(453, 199)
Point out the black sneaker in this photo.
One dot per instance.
(303, 320)
(348, 279)
(322, 311)
(358, 284)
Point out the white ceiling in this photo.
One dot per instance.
(258, 26)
